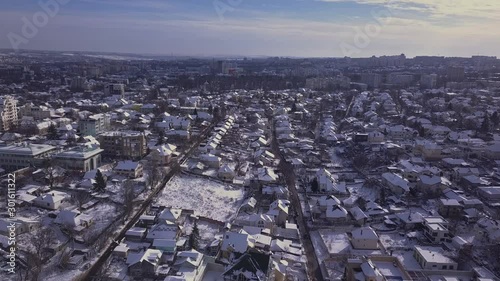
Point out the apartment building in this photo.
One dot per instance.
(123, 144)
(18, 156)
(436, 230)
(8, 113)
(81, 158)
(114, 90)
(94, 124)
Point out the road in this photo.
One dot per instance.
(314, 271)
(93, 272)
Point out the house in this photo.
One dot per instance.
(435, 229)
(226, 173)
(489, 193)
(432, 258)
(409, 220)
(167, 246)
(279, 210)
(197, 168)
(493, 151)
(255, 220)
(327, 183)
(234, 242)
(358, 215)
(22, 225)
(163, 230)
(191, 265)
(51, 201)
(144, 264)
(432, 184)
(364, 238)
(136, 233)
(266, 175)
(249, 266)
(73, 218)
(396, 183)
(450, 208)
(163, 153)
(169, 214)
(210, 160)
(129, 169)
(249, 205)
(336, 214)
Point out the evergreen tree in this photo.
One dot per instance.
(210, 109)
(71, 140)
(421, 131)
(294, 107)
(485, 126)
(195, 112)
(52, 133)
(100, 182)
(494, 119)
(314, 185)
(194, 237)
(161, 138)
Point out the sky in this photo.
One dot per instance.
(296, 28)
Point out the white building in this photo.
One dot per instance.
(432, 258)
(364, 238)
(8, 113)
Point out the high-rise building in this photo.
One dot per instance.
(94, 124)
(428, 81)
(373, 80)
(400, 79)
(455, 73)
(79, 83)
(114, 90)
(8, 112)
(123, 144)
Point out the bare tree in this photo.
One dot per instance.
(64, 258)
(153, 171)
(42, 240)
(33, 267)
(128, 199)
(51, 171)
(80, 198)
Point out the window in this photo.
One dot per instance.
(451, 266)
(444, 267)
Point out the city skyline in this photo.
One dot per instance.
(322, 28)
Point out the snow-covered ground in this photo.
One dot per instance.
(208, 231)
(205, 197)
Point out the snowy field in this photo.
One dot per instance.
(206, 198)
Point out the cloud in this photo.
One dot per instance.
(439, 8)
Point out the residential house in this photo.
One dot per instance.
(327, 183)
(210, 160)
(226, 173)
(432, 184)
(432, 258)
(396, 183)
(365, 238)
(450, 208)
(144, 264)
(279, 210)
(163, 230)
(129, 169)
(51, 201)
